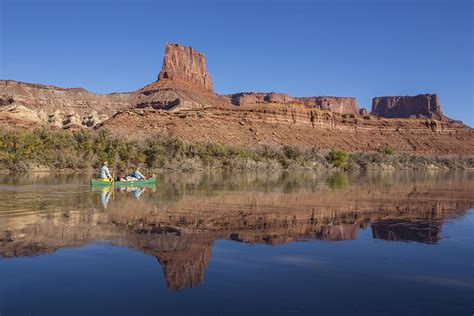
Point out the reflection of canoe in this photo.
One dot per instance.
(122, 188)
(132, 183)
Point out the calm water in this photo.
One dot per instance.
(275, 244)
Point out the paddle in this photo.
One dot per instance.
(113, 183)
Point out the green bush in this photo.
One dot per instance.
(387, 150)
(337, 158)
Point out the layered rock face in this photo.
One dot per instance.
(177, 95)
(183, 83)
(184, 63)
(343, 105)
(418, 106)
(297, 125)
(245, 98)
(59, 106)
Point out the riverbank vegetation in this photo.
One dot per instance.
(45, 149)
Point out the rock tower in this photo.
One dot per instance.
(182, 63)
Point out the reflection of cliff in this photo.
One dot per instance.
(304, 231)
(180, 231)
(184, 265)
(340, 232)
(424, 231)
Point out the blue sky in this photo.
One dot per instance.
(354, 48)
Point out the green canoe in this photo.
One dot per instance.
(133, 183)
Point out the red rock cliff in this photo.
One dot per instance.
(418, 106)
(343, 105)
(183, 83)
(184, 63)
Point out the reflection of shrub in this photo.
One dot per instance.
(284, 163)
(337, 158)
(338, 180)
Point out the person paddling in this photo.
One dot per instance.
(104, 173)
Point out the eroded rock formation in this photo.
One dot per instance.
(343, 105)
(245, 98)
(184, 63)
(184, 84)
(297, 125)
(418, 106)
(57, 106)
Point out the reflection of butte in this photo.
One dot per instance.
(180, 234)
(185, 260)
(421, 231)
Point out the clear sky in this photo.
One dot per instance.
(354, 48)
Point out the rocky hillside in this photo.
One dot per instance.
(59, 107)
(297, 125)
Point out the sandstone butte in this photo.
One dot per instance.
(182, 103)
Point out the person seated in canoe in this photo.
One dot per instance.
(104, 173)
(137, 174)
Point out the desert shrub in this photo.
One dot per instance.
(387, 150)
(83, 149)
(267, 152)
(376, 158)
(337, 158)
(291, 152)
(358, 159)
(156, 152)
(195, 150)
(314, 155)
(216, 150)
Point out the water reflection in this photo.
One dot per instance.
(107, 192)
(179, 221)
(426, 231)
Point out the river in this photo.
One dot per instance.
(279, 243)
